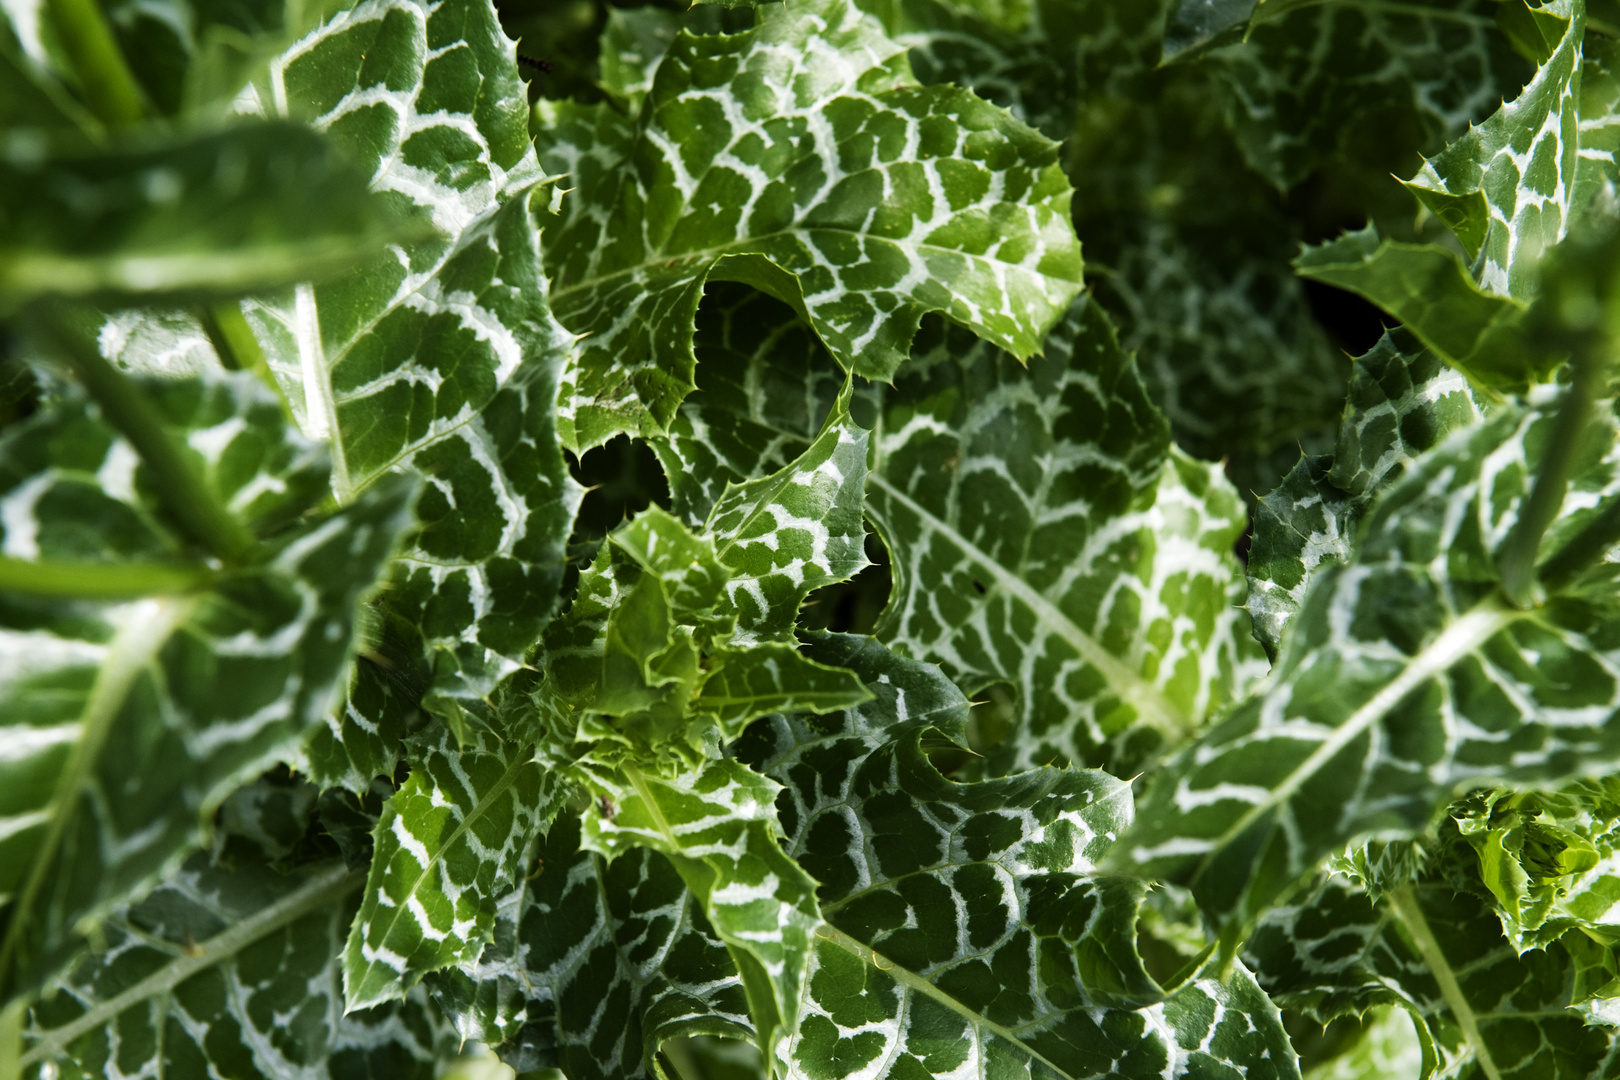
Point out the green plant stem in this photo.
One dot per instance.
(1517, 560)
(101, 581)
(109, 86)
(1410, 913)
(185, 493)
(239, 350)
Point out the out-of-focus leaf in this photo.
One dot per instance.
(190, 694)
(632, 46)
(235, 967)
(252, 207)
(1313, 80)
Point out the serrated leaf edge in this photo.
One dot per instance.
(358, 930)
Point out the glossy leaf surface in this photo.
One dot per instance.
(794, 190)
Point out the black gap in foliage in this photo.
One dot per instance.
(622, 477)
(853, 606)
(1354, 324)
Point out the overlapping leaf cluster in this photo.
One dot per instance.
(918, 721)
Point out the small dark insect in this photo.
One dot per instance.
(607, 807)
(542, 66)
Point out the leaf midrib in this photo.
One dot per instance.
(479, 809)
(134, 647)
(318, 892)
(912, 981)
(1467, 633)
(1146, 698)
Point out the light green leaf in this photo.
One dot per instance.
(1043, 532)
(595, 965)
(769, 678)
(967, 933)
(1392, 689)
(1403, 400)
(162, 219)
(448, 847)
(192, 693)
(1550, 860)
(1506, 187)
(681, 638)
(1427, 288)
(231, 964)
(794, 191)
(717, 824)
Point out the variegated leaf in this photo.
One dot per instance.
(792, 189)
(717, 824)
(1403, 401)
(1362, 80)
(441, 358)
(765, 384)
(448, 847)
(1440, 956)
(1506, 187)
(1044, 533)
(1197, 246)
(1406, 676)
(203, 683)
(233, 965)
(786, 534)
(968, 934)
(595, 965)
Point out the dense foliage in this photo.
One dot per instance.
(663, 560)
